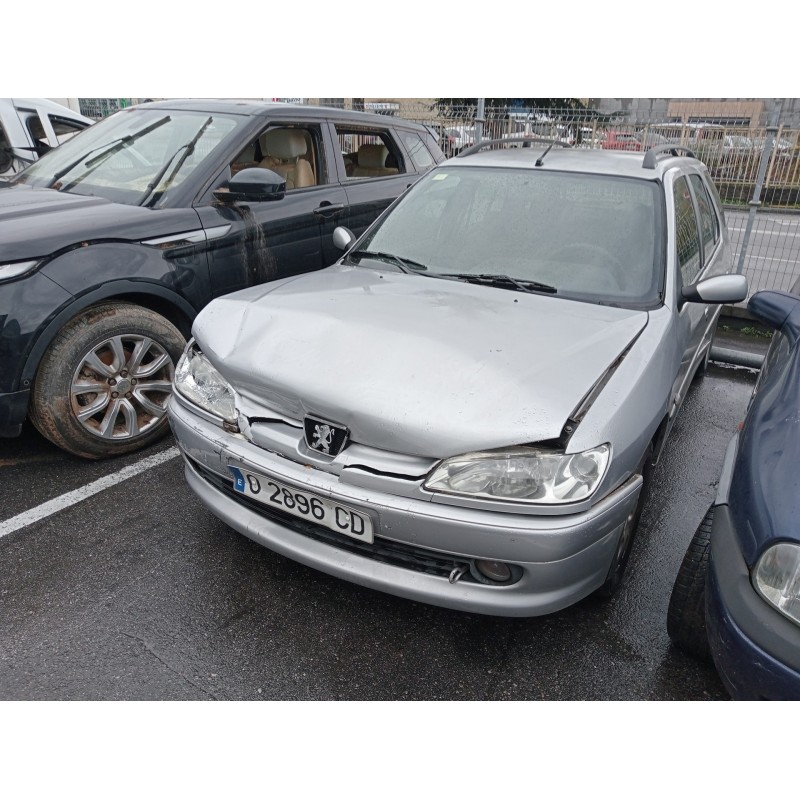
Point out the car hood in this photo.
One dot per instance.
(35, 223)
(413, 364)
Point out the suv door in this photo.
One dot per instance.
(373, 167)
(256, 242)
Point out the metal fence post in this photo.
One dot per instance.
(479, 120)
(755, 202)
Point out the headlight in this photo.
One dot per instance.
(777, 578)
(202, 385)
(522, 474)
(16, 269)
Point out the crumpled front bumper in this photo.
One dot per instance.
(561, 558)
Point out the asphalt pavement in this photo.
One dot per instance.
(138, 592)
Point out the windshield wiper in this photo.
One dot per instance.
(108, 151)
(504, 281)
(405, 264)
(188, 149)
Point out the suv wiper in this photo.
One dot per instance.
(188, 149)
(108, 151)
(504, 281)
(405, 264)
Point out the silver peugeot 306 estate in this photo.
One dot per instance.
(467, 408)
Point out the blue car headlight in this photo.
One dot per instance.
(777, 578)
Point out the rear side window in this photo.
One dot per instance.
(368, 153)
(687, 236)
(420, 156)
(709, 227)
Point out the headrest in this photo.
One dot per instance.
(372, 156)
(284, 143)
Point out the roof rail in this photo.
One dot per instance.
(650, 157)
(527, 139)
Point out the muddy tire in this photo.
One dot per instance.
(102, 387)
(625, 545)
(686, 615)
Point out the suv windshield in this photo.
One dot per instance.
(591, 237)
(136, 157)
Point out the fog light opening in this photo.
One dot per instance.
(492, 571)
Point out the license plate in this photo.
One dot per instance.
(334, 516)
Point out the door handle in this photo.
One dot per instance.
(325, 209)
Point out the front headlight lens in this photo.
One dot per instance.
(777, 578)
(202, 385)
(17, 269)
(522, 474)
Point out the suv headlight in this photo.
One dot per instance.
(202, 385)
(777, 578)
(17, 269)
(522, 474)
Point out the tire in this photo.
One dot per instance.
(686, 615)
(102, 387)
(625, 545)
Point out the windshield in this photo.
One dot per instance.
(134, 157)
(591, 237)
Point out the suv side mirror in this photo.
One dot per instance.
(719, 289)
(343, 238)
(253, 184)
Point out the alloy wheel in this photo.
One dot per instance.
(121, 387)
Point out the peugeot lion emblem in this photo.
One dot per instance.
(324, 437)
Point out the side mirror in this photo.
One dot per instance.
(343, 238)
(254, 184)
(717, 290)
(772, 308)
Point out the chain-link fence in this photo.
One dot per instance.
(99, 107)
(767, 247)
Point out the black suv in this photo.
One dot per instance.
(111, 244)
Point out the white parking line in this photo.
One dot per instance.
(77, 495)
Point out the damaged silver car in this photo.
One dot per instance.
(467, 407)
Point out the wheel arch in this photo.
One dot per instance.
(168, 304)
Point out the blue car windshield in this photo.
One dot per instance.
(591, 237)
(136, 156)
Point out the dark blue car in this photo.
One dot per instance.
(737, 594)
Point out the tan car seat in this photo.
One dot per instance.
(372, 161)
(283, 150)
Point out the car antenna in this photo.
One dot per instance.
(540, 160)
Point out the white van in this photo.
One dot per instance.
(30, 127)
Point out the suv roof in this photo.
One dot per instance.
(603, 162)
(264, 108)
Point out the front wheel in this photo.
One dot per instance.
(686, 615)
(102, 386)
